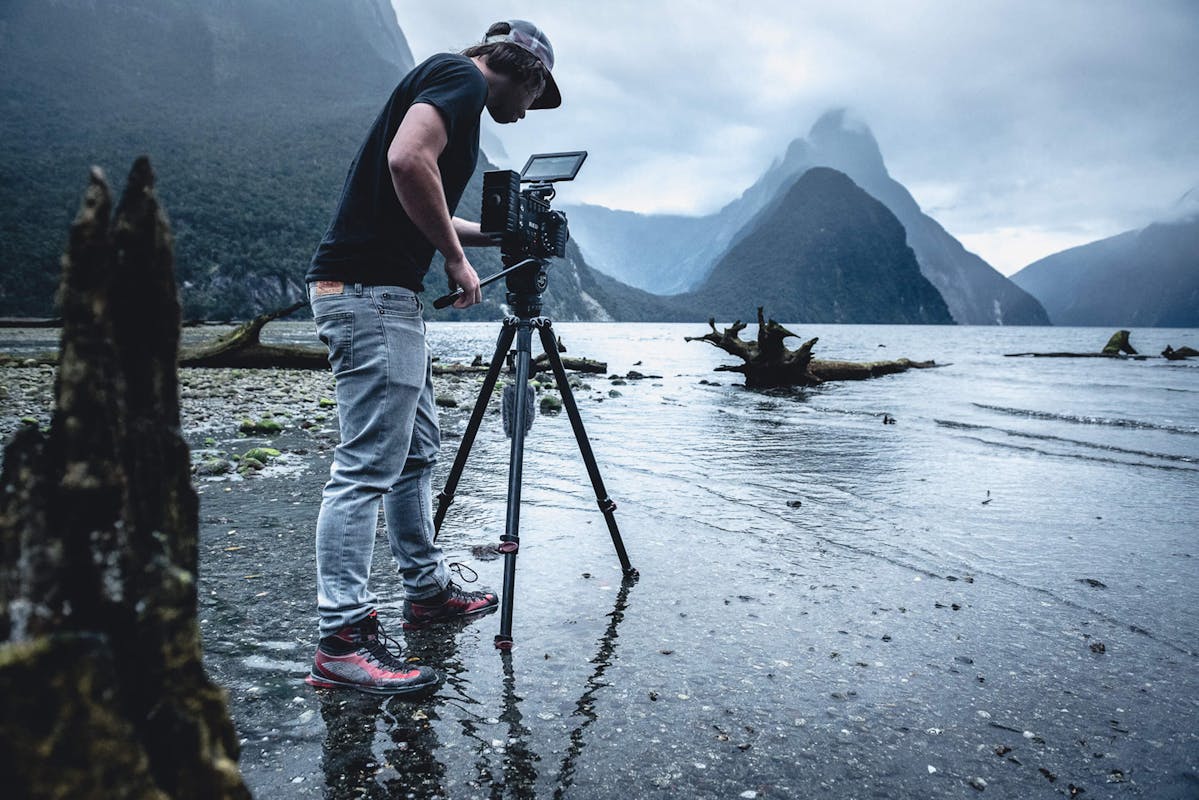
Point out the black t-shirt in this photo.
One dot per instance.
(371, 239)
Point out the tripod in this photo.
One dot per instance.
(526, 281)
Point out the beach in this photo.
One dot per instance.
(994, 595)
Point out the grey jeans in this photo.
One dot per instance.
(389, 444)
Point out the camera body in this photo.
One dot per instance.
(522, 218)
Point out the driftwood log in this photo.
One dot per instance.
(768, 362)
(105, 694)
(1178, 355)
(1117, 346)
(243, 348)
(30, 322)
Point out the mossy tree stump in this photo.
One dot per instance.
(104, 691)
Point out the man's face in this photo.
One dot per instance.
(508, 100)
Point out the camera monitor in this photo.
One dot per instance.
(550, 167)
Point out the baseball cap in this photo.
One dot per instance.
(528, 36)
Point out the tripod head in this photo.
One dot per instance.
(527, 279)
(525, 285)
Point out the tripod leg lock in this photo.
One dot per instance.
(607, 505)
(507, 545)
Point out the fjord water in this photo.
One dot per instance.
(996, 591)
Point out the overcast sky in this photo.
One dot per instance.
(1022, 127)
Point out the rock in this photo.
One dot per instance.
(794, 503)
(247, 464)
(977, 783)
(263, 427)
(261, 454)
(325, 402)
(614, 393)
(214, 466)
(446, 401)
(550, 404)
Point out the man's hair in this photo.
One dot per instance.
(512, 60)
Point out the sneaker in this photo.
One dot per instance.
(357, 657)
(448, 605)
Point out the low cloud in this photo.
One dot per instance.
(1033, 122)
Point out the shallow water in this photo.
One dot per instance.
(828, 606)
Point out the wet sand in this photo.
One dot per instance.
(741, 664)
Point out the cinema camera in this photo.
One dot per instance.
(522, 218)
(528, 230)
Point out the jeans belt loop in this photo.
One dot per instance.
(358, 289)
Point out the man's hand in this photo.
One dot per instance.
(463, 276)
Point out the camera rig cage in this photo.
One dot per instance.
(522, 218)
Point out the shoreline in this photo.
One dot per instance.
(888, 623)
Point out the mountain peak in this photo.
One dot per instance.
(842, 134)
(1184, 209)
(825, 251)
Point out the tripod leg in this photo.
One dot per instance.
(446, 496)
(510, 541)
(607, 506)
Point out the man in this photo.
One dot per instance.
(397, 208)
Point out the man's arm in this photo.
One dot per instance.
(470, 235)
(412, 161)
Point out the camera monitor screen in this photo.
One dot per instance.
(549, 167)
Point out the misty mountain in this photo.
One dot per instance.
(673, 253)
(660, 253)
(251, 111)
(824, 252)
(1147, 277)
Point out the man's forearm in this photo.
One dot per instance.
(418, 186)
(470, 235)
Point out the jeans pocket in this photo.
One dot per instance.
(337, 333)
(401, 303)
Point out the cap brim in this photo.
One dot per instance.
(550, 96)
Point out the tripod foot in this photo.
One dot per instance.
(503, 642)
(632, 573)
